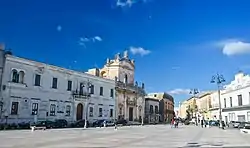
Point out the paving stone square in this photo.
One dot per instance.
(126, 137)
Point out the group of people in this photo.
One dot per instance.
(174, 123)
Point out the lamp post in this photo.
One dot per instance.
(87, 96)
(1, 108)
(194, 92)
(218, 79)
(143, 106)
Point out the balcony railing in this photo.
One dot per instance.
(80, 94)
(131, 87)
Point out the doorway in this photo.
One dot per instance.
(130, 118)
(79, 111)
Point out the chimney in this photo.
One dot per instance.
(2, 46)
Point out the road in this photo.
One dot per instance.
(125, 137)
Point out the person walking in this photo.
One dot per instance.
(202, 123)
(172, 123)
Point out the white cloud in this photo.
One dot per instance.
(97, 38)
(139, 50)
(129, 3)
(179, 91)
(233, 47)
(84, 40)
(59, 28)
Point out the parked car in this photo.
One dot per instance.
(214, 123)
(48, 124)
(98, 123)
(122, 122)
(79, 123)
(61, 123)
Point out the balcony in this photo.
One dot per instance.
(80, 94)
(130, 87)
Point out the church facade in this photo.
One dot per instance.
(130, 96)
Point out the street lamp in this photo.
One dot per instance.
(87, 96)
(143, 106)
(194, 92)
(218, 79)
(1, 108)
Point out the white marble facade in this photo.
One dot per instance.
(33, 91)
(235, 99)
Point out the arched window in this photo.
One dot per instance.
(151, 109)
(21, 76)
(15, 76)
(126, 79)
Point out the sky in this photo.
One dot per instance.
(177, 45)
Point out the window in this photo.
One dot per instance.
(81, 88)
(21, 76)
(111, 112)
(34, 108)
(126, 79)
(239, 100)
(231, 102)
(101, 91)
(151, 109)
(155, 95)
(112, 93)
(69, 86)
(156, 109)
(52, 110)
(120, 111)
(92, 89)
(91, 111)
(37, 80)
(100, 112)
(15, 76)
(14, 108)
(68, 108)
(54, 83)
(225, 103)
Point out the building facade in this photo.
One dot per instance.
(152, 110)
(214, 108)
(129, 94)
(203, 103)
(235, 99)
(33, 91)
(166, 105)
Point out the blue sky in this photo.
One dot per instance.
(177, 44)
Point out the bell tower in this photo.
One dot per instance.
(121, 67)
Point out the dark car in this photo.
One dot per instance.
(47, 124)
(79, 123)
(122, 122)
(61, 123)
(243, 125)
(214, 123)
(98, 123)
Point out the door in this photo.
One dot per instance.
(241, 118)
(79, 112)
(130, 118)
(226, 119)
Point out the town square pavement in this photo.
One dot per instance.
(153, 136)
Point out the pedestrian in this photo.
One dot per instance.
(202, 123)
(172, 122)
(115, 124)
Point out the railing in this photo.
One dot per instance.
(129, 86)
(80, 94)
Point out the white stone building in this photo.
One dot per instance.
(33, 91)
(151, 110)
(235, 99)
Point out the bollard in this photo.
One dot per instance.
(32, 128)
